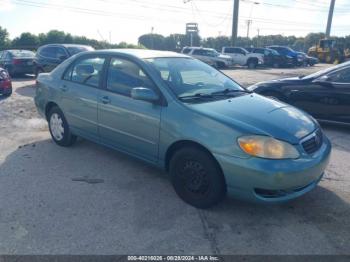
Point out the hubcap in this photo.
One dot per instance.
(56, 126)
(194, 178)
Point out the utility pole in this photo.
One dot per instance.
(235, 22)
(249, 22)
(330, 17)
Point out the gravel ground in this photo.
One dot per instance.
(123, 206)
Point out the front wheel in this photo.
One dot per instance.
(59, 128)
(197, 178)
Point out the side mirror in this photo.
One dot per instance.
(144, 94)
(323, 81)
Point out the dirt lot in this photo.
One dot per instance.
(123, 206)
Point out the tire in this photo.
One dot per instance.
(197, 178)
(275, 65)
(219, 65)
(252, 64)
(59, 128)
(274, 95)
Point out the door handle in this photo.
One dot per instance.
(105, 100)
(64, 88)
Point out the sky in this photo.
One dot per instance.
(126, 20)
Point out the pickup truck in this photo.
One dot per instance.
(209, 56)
(243, 57)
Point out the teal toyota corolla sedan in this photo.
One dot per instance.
(210, 134)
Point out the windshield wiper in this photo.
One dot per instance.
(228, 91)
(196, 96)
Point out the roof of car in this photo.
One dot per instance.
(141, 53)
(66, 45)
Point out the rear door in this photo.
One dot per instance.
(79, 91)
(125, 123)
(51, 56)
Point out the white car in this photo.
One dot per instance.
(209, 56)
(242, 57)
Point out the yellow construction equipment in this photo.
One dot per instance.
(327, 52)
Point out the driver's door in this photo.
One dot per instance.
(339, 111)
(327, 97)
(125, 123)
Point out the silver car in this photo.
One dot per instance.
(209, 56)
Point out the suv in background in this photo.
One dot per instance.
(50, 56)
(289, 53)
(272, 57)
(209, 56)
(242, 57)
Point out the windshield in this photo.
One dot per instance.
(190, 77)
(22, 53)
(325, 71)
(78, 49)
(273, 51)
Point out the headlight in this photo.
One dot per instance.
(288, 56)
(267, 147)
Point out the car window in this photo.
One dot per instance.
(23, 54)
(198, 52)
(260, 51)
(341, 76)
(78, 49)
(124, 75)
(189, 76)
(186, 50)
(86, 71)
(229, 50)
(53, 52)
(7, 56)
(205, 52)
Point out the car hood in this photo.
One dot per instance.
(280, 82)
(227, 57)
(255, 114)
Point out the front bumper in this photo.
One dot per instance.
(264, 180)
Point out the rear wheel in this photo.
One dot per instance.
(219, 65)
(196, 177)
(59, 128)
(252, 64)
(275, 65)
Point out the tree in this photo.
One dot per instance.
(54, 37)
(4, 38)
(26, 41)
(152, 41)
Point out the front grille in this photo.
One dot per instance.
(314, 143)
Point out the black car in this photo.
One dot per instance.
(298, 59)
(5, 83)
(17, 62)
(324, 94)
(50, 56)
(272, 57)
